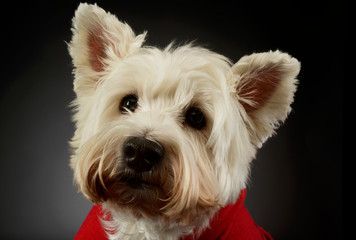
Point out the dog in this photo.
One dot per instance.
(165, 138)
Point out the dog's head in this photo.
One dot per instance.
(168, 133)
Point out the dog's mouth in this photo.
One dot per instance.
(137, 182)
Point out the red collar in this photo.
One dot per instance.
(231, 222)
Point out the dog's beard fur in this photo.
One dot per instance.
(202, 168)
(103, 175)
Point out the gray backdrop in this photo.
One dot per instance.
(296, 185)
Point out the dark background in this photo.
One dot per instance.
(295, 190)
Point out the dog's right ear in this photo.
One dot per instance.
(99, 39)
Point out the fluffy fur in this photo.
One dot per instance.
(202, 169)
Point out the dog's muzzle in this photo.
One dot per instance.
(142, 155)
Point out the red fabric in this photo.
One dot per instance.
(91, 228)
(230, 223)
(233, 222)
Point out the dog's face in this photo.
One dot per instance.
(170, 133)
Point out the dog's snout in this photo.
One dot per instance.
(141, 154)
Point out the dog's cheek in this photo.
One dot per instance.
(90, 185)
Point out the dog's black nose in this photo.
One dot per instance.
(141, 154)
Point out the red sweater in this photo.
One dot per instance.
(230, 223)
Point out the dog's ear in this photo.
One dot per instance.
(99, 39)
(265, 87)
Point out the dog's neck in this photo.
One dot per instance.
(122, 225)
(230, 222)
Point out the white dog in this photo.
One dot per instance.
(164, 138)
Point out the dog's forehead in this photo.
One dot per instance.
(181, 74)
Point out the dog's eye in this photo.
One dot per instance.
(128, 103)
(195, 118)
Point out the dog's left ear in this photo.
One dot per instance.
(265, 86)
(99, 40)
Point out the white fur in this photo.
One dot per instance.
(213, 163)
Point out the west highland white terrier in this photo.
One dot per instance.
(165, 137)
